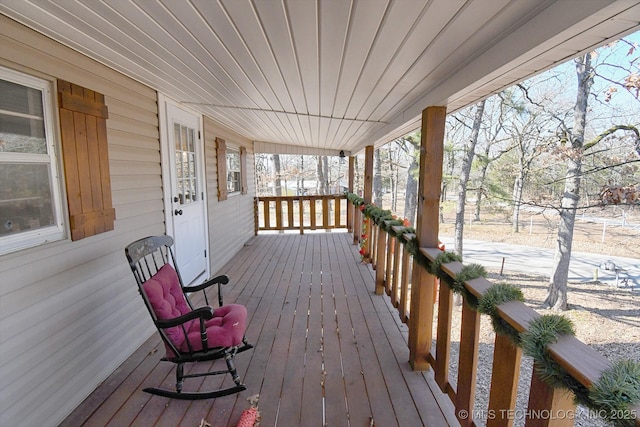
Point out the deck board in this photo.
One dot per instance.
(328, 352)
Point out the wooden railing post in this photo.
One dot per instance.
(504, 382)
(443, 339)
(256, 208)
(368, 193)
(429, 184)
(546, 403)
(467, 364)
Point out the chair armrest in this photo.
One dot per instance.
(199, 313)
(222, 279)
(219, 280)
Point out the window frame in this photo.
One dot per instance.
(57, 231)
(233, 150)
(221, 159)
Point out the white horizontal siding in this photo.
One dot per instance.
(69, 311)
(230, 221)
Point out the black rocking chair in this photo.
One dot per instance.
(189, 334)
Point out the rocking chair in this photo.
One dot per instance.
(188, 334)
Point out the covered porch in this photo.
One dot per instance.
(328, 351)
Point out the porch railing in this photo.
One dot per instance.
(300, 213)
(547, 406)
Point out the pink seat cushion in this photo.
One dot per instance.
(225, 329)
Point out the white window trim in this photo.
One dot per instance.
(28, 239)
(234, 149)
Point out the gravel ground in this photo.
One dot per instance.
(606, 318)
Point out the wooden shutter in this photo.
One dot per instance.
(221, 154)
(243, 170)
(83, 127)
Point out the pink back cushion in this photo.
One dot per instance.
(167, 300)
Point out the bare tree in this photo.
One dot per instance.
(377, 178)
(469, 153)
(277, 174)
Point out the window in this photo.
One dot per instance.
(233, 171)
(30, 197)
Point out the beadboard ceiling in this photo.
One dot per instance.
(327, 74)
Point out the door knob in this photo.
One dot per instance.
(178, 212)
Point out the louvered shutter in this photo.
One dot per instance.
(83, 125)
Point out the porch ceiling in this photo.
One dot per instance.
(330, 74)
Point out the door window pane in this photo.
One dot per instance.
(186, 174)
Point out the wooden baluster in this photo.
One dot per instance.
(397, 256)
(443, 339)
(357, 225)
(337, 223)
(301, 205)
(467, 365)
(279, 201)
(380, 260)
(504, 382)
(390, 252)
(372, 242)
(404, 289)
(267, 214)
(312, 212)
(325, 212)
(290, 213)
(547, 404)
(367, 246)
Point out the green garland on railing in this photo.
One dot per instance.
(542, 332)
(612, 396)
(617, 388)
(496, 295)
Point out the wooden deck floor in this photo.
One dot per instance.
(328, 352)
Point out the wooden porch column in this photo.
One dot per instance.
(350, 207)
(368, 194)
(427, 223)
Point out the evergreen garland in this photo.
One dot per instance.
(618, 388)
(496, 295)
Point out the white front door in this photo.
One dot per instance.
(187, 193)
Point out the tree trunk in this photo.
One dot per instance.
(377, 179)
(411, 194)
(319, 176)
(469, 153)
(557, 292)
(483, 177)
(277, 184)
(325, 174)
(394, 181)
(518, 187)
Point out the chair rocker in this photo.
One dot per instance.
(188, 334)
